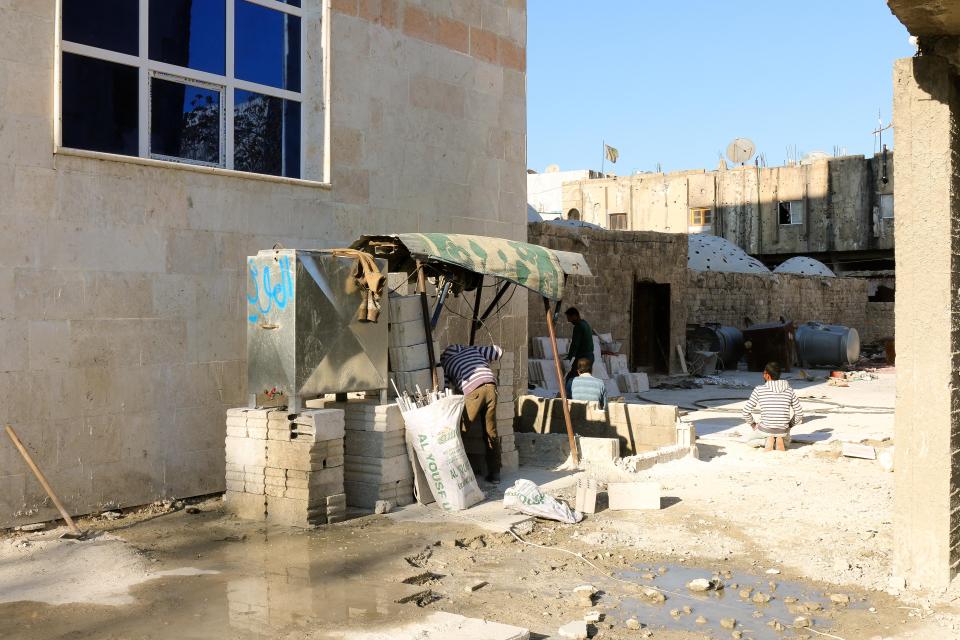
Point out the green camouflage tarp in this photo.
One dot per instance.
(529, 265)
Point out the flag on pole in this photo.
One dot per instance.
(611, 153)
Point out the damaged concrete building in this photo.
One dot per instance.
(142, 162)
(838, 210)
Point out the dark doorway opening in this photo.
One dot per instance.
(650, 342)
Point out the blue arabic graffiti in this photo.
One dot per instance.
(264, 294)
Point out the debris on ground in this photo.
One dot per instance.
(527, 498)
(576, 630)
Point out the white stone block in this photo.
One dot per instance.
(633, 495)
(376, 470)
(599, 449)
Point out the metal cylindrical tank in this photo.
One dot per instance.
(726, 341)
(827, 344)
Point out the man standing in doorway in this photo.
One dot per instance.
(779, 408)
(468, 370)
(581, 345)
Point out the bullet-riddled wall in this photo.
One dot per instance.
(122, 280)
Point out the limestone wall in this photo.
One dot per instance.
(122, 281)
(728, 298)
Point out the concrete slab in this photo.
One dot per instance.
(443, 625)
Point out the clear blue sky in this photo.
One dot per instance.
(674, 81)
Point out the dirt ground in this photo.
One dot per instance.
(799, 526)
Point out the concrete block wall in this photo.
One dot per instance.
(637, 427)
(122, 282)
(728, 298)
(617, 261)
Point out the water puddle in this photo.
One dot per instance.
(759, 606)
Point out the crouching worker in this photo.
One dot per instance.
(779, 409)
(585, 386)
(467, 368)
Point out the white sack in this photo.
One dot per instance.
(525, 496)
(434, 432)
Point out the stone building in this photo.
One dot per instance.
(147, 148)
(838, 210)
(644, 293)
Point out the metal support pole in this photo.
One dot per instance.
(427, 329)
(476, 313)
(441, 299)
(496, 299)
(563, 387)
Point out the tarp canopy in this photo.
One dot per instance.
(528, 265)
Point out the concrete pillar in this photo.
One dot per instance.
(926, 115)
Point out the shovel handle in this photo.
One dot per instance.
(42, 479)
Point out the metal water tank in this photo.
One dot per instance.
(830, 345)
(726, 341)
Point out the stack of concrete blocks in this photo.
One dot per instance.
(286, 468)
(409, 356)
(376, 466)
(506, 410)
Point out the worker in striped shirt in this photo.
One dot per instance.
(779, 409)
(467, 368)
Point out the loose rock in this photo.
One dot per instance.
(382, 506)
(701, 620)
(761, 598)
(479, 584)
(576, 630)
(801, 622)
(633, 624)
(728, 623)
(839, 598)
(592, 617)
(699, 584)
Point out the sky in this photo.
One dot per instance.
(674, 81)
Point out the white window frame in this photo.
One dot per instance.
(219, 88)
(796, 218)
(227, 83)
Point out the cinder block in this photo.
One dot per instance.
(586, 495)
(405, 334)
(244, 505)
(291, 512)
(507, 443)
(365, 495)
(405, 309)
(633, 495)
(509, 460)
(409, 380)
(663, 415)
(413, 357)
(599, 449)
(376, 470)
(374, 444)
(325, 424)
(505, 411)
(245, 451)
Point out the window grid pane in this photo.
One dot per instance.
(185, 119)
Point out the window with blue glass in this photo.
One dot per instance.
(184, 83)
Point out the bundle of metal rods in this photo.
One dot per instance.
(406, 402)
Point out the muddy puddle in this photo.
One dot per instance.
(760, 606)
(263, 586)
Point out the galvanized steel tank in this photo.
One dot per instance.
(726, 341)
(831, 345)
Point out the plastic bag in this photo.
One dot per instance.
(434, 432)
(525, 496)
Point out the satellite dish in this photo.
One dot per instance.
(740, 150)
(553, 168)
